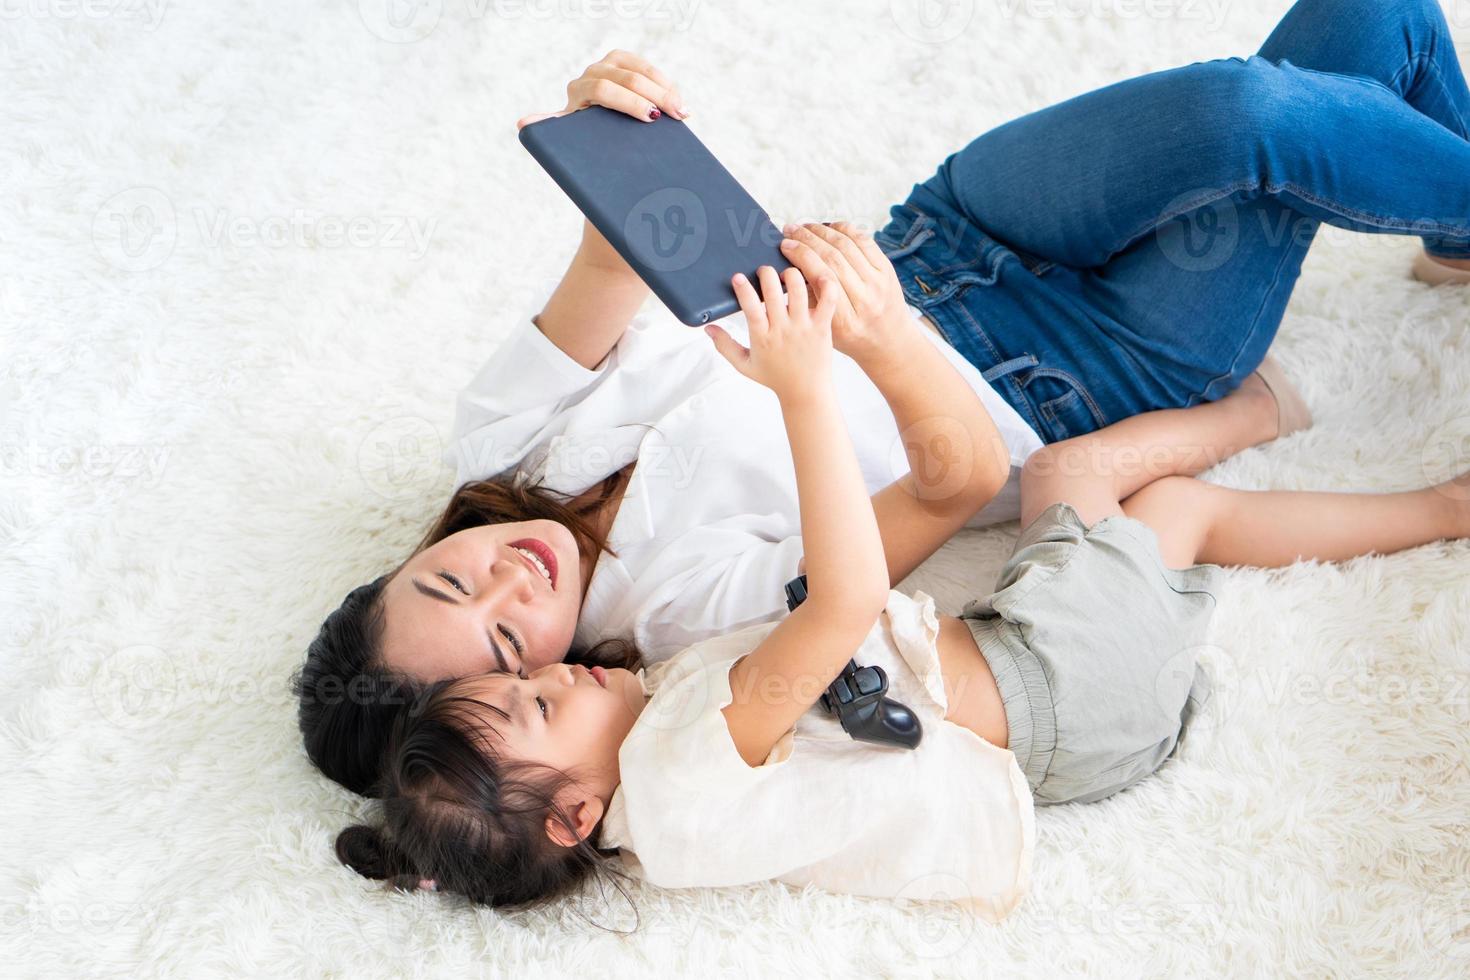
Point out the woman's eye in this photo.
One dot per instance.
(519, 647)
(455, 582)
(541, 704)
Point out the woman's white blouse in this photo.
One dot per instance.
(708, 533)
(952, 819)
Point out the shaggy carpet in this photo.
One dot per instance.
(250, 252)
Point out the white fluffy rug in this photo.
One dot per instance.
(249, 252)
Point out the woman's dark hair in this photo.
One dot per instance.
(347, 700)
(457, 812)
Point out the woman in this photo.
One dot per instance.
(1127, 250)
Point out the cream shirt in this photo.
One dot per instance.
(708, 533)
(951, 819)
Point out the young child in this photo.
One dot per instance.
(1073, 680)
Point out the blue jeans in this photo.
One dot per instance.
(1134, 248)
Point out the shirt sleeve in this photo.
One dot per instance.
(514, 395)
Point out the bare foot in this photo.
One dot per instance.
(1254, 398)
(1436, 271)
(1289, 412)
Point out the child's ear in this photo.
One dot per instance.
(582, 811)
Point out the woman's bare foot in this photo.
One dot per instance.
(1439, 272)
(1287, 412)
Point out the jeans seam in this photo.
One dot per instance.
(1426, 60)
(1019, 402)
(1255, 326)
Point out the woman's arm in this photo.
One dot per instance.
(594, 302)
(847, 583)
(600, 293)
(957, 459)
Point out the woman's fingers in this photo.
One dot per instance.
(670, 100)
(845, 246)
(870, 249)
(833, 258)
(525, 121)
(598, 90)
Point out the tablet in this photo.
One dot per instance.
(663, 201)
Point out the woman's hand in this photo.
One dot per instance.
(871, 314)
(621, 81)
(790, 344)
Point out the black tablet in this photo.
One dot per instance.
(663, 201)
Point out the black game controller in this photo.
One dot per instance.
(856, 697)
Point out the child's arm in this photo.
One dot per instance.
(957, 458)
(847, 582)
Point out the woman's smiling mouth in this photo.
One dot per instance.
(538, 557)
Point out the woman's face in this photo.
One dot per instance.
(499, 597)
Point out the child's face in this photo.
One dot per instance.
(563, 716)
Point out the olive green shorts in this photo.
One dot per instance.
(1093, 642)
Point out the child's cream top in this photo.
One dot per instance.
(949, 820)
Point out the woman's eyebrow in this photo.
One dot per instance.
(433, 593)
(500, 660)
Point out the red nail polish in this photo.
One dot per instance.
(654, 113)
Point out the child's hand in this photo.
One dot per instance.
(621, 81)
(871, 313)
(790, 345)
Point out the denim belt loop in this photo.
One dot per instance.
(1010, 367)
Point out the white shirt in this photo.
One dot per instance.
(951, 819)
(708, 532)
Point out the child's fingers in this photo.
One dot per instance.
(730, 348)
(796, 300)
(750, 302)
(771, 293)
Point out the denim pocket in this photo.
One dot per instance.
(1063, 404)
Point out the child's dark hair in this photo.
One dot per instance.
(458, 813)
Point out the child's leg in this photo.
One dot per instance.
(1200, 522)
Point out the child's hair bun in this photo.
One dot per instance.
(366, 851)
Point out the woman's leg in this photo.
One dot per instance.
(1178, 206)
